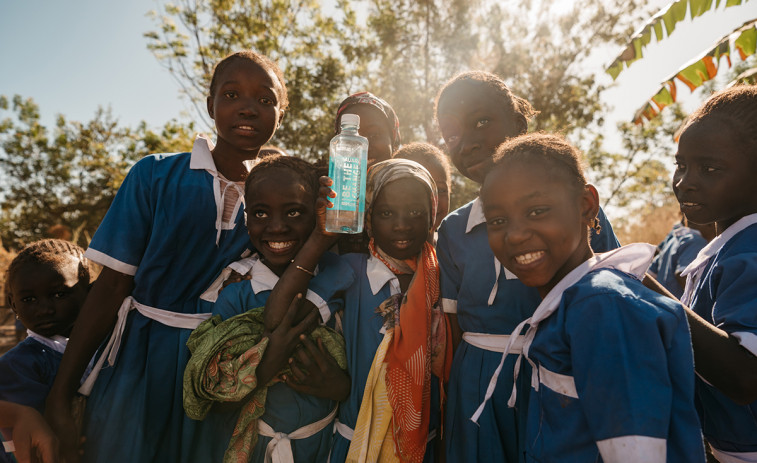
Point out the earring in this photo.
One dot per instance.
(596, 226)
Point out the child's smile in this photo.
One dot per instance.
(280, 216)
(535, 223)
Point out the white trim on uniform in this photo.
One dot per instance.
(562, 384)
(106, 261)
(633, 449)
(449, 305)
(748, 340)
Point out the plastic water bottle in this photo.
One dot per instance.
(348, 162)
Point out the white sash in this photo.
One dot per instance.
(734, 457)
(493, 342)
(279, 449)
(633, 259)
(694, 271)
(172, 319)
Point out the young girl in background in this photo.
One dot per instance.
(176, 221)
(378, 123)
(391, 316)
(233, 362)
(437, 164)
(47, 283)
(476, 112)
(613, 376)
(714, 182)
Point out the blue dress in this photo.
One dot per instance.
(486, 299)
(615, 367)
(286, 410)
(677, 251)
(161, 228)
(726, 296)
(362, 334)
(27, 373)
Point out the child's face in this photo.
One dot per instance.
(474, 121)
(280, 216)
(714, 180)
(245, 106)
(400, 218)
(537, 224)
(374, 127)
(47, 297)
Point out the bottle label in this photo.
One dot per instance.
(347, 183)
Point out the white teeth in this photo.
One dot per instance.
(245, 127)
(529, 257)
(278, 245)
(690, 204)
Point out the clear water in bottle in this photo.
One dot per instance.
(348, 162)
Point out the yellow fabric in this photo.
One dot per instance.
(373, 440)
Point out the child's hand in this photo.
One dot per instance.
(321, 205)
(33, 438)
(315, 372)
(283, 339)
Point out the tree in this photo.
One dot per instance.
(68, 175)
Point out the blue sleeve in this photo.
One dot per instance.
(237, 298)
(123, 235)
(620, 367)
(24, 379)
(449, 274)
(735, 307)
(687, 251)
(606, 239)
(333, 278)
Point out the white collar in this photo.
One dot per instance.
(693, 272)
(476, 216)
(379, 275)
(201, 157)
(57, 343)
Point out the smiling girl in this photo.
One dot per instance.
(613, 376)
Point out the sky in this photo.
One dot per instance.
(72, 56)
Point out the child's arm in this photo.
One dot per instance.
(94, 323)
(298, 274)
(315, 372)
(31, 435)
(722, 360)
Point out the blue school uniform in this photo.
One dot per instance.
(487, 299)
(726, 296)
(363, 332)
(286, 410)
(27, 373)
(677, 251)
(164, 228)
(615, 375)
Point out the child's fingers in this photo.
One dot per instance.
(306, 323)
(298, 373)
(325, 180)
(315, 353)
(294, 306)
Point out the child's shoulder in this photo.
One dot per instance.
(458, 218)
(29, 354)
(744, 241)
(609, 289)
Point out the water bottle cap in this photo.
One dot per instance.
(350, 119)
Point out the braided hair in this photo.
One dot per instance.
(52, 252)
(308, 172)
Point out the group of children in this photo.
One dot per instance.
(228, 325)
